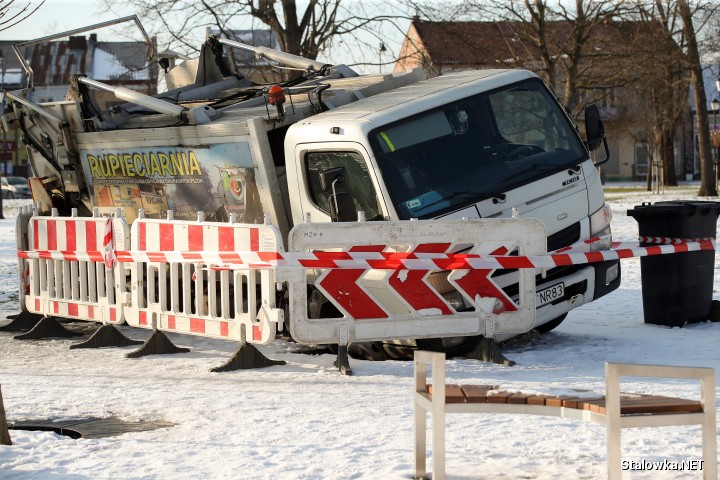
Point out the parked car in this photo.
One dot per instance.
(15, 187)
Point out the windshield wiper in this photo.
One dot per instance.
(477, 196)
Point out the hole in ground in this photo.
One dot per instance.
(89, 427)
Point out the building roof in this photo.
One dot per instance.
(451, 43)
(512, 43)
(54, 62)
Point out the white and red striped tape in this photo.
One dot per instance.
(415, 260)
(673, 241)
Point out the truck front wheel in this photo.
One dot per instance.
(551, 325)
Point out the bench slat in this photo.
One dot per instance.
(659, 405)
(499, 397)
(519, 398)
(453, 393)
(538, 399)
(477, 393)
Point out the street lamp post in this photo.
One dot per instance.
(2, 89)
(2, 67)
(715, 105)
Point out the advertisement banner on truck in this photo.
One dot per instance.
(214, 179)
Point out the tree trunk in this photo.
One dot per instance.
(707, 180)
(4, 432)
(668, 158)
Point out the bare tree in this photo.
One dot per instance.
(565, 44)
(567, 50)
(11, 14)
(661, 83)
(593, 51)
(707, 180)
(307, 30)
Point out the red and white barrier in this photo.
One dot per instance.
(188, 297)
(68, 276)
(360, 269)
(22, 244)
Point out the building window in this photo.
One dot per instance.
(642, 161)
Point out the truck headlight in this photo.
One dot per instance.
(600, 227)
(456, 301)
(439, 282)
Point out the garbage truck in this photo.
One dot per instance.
(330, 145)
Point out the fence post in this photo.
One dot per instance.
(4, 432)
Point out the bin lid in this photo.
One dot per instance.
(675, 207)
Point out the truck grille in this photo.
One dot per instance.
(564, 238)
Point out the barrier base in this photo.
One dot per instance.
(487, 350)
(343, 362)
(247, 357)
(106, 336)
(21, 322)
(157, 344)
(48, 327)
(715, 311)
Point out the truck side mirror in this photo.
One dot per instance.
(342, 205)
(595, 132)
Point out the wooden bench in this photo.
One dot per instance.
(615, 410)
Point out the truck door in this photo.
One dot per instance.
(360, 182)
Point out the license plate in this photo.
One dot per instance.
(549, 294)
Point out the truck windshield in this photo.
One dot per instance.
(476, 148)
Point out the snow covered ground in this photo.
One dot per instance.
(306, 421)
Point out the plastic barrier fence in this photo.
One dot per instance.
(67, 273)
(381, 277)
(188, 295)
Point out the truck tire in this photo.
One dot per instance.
(551, 325)
(452, 346)
(372, 351)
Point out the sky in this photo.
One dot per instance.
(55, 16)
(305, 421)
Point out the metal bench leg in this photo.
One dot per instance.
(709, 437)
(438, 417)
(613, 450)
(420, 414)
(420, 441)
(709, 450)
(438, 449)
(612, 418)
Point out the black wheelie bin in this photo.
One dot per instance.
(677, 288)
